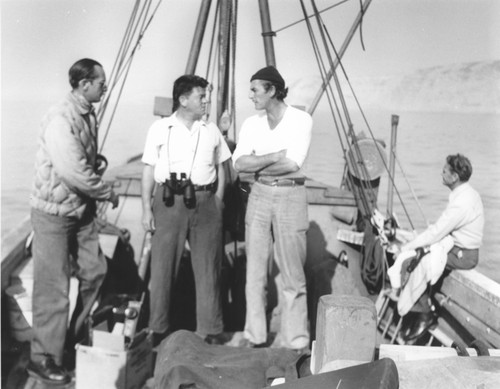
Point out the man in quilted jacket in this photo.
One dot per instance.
(66, 186)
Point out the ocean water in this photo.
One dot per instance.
(423, 142)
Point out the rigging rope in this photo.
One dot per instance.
(374, 261)
(361, 24)
(125, 56)
(140, 20)
(391, 178)
(412, 191)
(360, 171)
(308, 17)
(373, 137)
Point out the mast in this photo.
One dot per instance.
(267, 33)
(341, 52)
(224, 55)
(201, 24)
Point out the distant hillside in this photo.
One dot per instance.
(468, 88)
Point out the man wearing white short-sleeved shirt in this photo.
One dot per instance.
(273, 145)
(184, 145)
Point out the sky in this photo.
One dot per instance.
(40, 39)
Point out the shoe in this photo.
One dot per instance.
(48, 371)
(217, 339)
(244, 342)
(302, 351)
(422, 322)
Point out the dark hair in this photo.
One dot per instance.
(184, 85)
(281, 92)
(82, 70)
(461, 165)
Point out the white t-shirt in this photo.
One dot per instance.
(292, 133)
(171, 147)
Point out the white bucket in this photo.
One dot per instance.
(20, 313)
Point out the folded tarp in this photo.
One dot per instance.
(184, 360)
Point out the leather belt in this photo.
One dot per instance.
(208, 188)
(281, 181)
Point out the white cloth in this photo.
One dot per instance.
(429, 270)
(172, 147)
(463, 219)
(293, 133)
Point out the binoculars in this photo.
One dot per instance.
(182, 186)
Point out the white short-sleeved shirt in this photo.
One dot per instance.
(171, 147)
(293, 133)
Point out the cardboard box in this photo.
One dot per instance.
(115, 366)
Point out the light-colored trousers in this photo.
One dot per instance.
(55, 239)
(277, 219)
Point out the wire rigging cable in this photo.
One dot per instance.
(139, 22)
(348, 135)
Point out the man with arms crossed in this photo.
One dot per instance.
(273, 145)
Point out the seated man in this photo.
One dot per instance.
(463, 220)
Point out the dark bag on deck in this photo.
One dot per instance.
(184, 360)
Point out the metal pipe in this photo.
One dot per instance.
(392, 163)
(341, 52)
(201, 24)
(267, 33)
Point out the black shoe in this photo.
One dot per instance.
(218, 339)
(47, 371)
(422, 322)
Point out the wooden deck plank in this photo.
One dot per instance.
(450, 372)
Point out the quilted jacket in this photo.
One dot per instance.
(65, 179)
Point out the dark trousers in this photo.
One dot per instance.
(56, 241)
(202, 227)
(458, 258)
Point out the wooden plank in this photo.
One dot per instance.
(450, 372)
(474, 297)
(477, 326)
(479, 284)
(414, 353)
(319, 193)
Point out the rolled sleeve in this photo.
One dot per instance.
(299, 148)
(244, 145)
(223, 153)
(151, 146)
